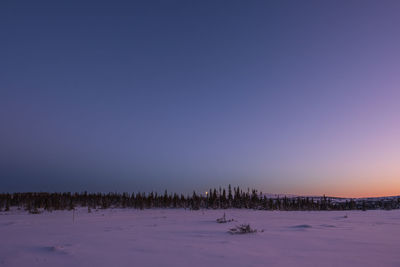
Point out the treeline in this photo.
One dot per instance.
(213, 199)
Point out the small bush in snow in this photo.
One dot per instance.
(223, 220)
(242, 229)
(34, 211)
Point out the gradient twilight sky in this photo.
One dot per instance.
(297, 97)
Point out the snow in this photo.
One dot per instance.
(168, 237)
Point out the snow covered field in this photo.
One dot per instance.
(193, 238)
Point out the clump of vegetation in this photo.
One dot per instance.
(34, 211)
(242, 229)
(223, 219)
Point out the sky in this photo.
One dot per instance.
(298, 97)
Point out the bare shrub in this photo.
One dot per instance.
(223, 219)
(242, 229)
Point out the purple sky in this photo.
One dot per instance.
(294, 97)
